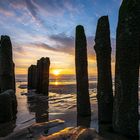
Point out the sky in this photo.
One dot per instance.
(46, 28)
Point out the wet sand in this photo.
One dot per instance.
(67, 89)
(34, 109)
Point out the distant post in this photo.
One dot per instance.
(7, 75)
(83, 100)
(125, 115)
(43, 75)
(32, 77)
(104, 86)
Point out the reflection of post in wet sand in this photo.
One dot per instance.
(9, 128)
(106, 131)
(39, 105)
(41, 111)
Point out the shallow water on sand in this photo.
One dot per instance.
(23, 110)
(61, 106)
(58, 105)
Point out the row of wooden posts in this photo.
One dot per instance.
(38, 76)
(122, 109)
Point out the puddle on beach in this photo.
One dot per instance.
(59, 104)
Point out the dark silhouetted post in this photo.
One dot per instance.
(14, 80)
(83, 100)
(125, 113)
(43, 75)
(32, 77)
(104, 86)
(7, 75)
(39, 76)
(8, 102)
(8, 106)
(83, 121)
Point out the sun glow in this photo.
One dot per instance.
(56, 72)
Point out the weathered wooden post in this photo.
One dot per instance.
(83, 121)
(83, 100)
(104, 85)
(43, 75)
(7, 75)
(8, 102)
(125, 115)
(39, 76)
(32, 77)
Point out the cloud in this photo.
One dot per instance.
(44, 46)
(5, 9)
(55, 7)
(31, 7)
(6, 13)
(47, 12)
(19, 49)
(57, 48)
(34, 10)
(21, 9)
(65, 44)
(62, 44)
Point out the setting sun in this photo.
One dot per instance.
(56, 72)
